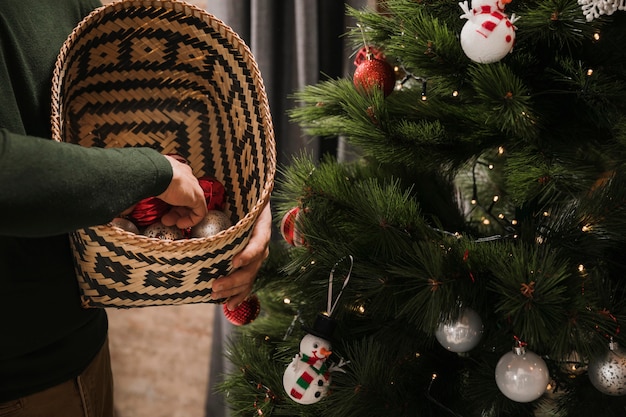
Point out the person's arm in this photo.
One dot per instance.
(49, 188)
(237, 286)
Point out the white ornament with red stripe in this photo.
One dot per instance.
(489, 34)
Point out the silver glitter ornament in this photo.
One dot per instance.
(160, 231)
(214, 222)
(460, 335)
(607, 372)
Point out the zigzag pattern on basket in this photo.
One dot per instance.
(186, 280)
(160, 85)
(167, 75)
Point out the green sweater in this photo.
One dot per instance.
(47, 190)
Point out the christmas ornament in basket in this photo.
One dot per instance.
(167, 75)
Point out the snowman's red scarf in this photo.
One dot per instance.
(304, 381)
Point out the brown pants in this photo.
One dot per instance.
(88, 395)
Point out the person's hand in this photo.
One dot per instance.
(185, 195)
(238, 285)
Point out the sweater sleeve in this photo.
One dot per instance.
(50, 188)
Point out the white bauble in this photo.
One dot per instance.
(607, 372)
(159, 231)
(522, 375)
(461, 335)
(214, 222)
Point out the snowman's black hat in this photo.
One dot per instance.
(324, 327)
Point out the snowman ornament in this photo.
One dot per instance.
(307, 378)
(489, 34)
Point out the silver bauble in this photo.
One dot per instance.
(607, 372)
(522, 375)
(460, 335)
(214, 222)
(125, 224)
(160, 231)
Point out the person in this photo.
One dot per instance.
(54, 358)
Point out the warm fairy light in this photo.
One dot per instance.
(581, 268)
(474, 202)
(496, 198)
(490, 166)
(396, 68)
(546, 214)
(287, 301)
(486, 221)
(586, 228)
(596, 36)
(589, 72)
(455, 93)
(434, 377)
(514, 222)
(361, 309)
(501, 216)
(424, 98)
(500, 150)
(417, 354)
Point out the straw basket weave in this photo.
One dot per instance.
(167, 75)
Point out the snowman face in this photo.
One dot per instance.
(315, 347)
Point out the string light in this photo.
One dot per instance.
(455, 93)
(596, 36)
(586, 228)
(287, 301)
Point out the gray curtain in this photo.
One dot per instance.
(295, 43)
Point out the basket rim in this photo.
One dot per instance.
(188, 9)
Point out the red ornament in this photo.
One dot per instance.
(214, 193)
(289, 229)
(365, 52)
(148, 211)
(374, 73)
(245, 312)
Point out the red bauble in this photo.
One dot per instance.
(148, 211)
(214, 193)
(367, 52)
(374, 73)
(289, 227)
(245, 313)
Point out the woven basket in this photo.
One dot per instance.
(167, 75)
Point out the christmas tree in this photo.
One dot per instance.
(471, 260)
